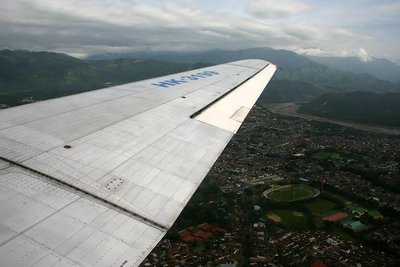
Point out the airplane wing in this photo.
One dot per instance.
(97, 178)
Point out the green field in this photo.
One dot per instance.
(291, 220)
(326, 155)
(292, 193)
(320, 206)
(342, 234)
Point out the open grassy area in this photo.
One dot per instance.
(292, 193)
(291, 219)
(342, 234)
(320, 206)
(326, 155)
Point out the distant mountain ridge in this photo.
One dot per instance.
(294, 71)
(291, 66)
(44, 75)
(378, 67)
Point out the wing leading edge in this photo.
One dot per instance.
(98, 178)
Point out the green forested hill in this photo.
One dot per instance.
(365, 107)
(44, 75)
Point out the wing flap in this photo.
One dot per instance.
(230, 110)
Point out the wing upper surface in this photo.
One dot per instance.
(45, 224)
(131, 150)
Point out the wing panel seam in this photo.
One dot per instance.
(33, 225)
(87, 193)
(225, 94)
(238, 65)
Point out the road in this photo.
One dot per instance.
(290, 109)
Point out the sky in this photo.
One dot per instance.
(363, 28)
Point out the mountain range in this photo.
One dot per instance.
(28, 76)
(292, 67)
(378, 67)
(43, 75)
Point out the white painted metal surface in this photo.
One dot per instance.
(96, 179)
(45, 224)
(229, 112)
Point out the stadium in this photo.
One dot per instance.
(291, 193)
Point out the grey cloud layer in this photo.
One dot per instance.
(93, 26)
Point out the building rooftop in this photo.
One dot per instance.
(336, 217)
(355, 208)
(354, 225)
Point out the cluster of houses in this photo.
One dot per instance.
(202, 232)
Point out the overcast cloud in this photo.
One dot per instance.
(364, 28)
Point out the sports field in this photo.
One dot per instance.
(288, 218)
(293, 193)
(320, 206)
